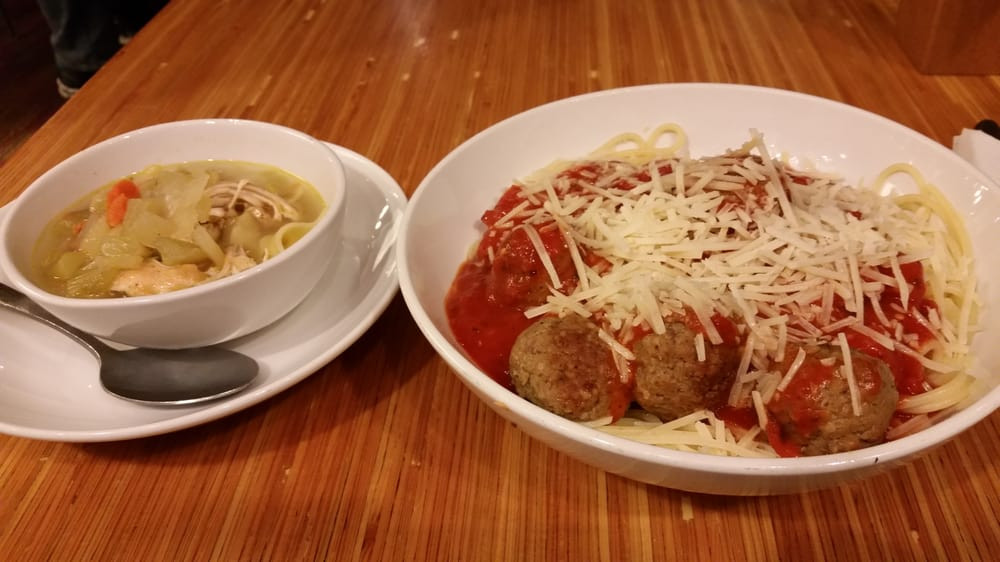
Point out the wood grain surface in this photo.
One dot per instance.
(950, 36)
(383, 454)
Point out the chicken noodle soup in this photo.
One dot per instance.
(174, 226)
(730, 304)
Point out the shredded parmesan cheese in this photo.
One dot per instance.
(848, 369)
(800, 358)
(543, 254)
(758, 406)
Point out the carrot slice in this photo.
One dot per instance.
(118, 198)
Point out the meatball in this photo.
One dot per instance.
(814, 412)
(562, 365)
(671, 382)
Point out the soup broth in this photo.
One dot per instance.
(169, 227)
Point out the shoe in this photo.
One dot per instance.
(65, 91)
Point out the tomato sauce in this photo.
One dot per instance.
(745, 418)
(620, 395)
(510, 199)
(484, 328)
(906, 370)
(803, 397)
(741, 417)
(724, 326)
(486, 302)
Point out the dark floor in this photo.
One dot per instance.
(28, 95)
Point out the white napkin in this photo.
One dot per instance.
(982, 150)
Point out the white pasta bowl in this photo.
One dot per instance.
(209, 313)
(441, 224)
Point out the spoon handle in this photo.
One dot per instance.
(14, 300)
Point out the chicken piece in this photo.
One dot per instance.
(236, 261)
(233, 198)
(154, 278)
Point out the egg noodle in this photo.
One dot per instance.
(673, 245)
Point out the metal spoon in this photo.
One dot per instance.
(153, 376)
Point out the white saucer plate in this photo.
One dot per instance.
(49, 387)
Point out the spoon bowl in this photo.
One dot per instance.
(175, 376)
(163, 377)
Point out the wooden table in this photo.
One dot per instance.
(383, 454)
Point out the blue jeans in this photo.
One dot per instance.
(85, 33)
